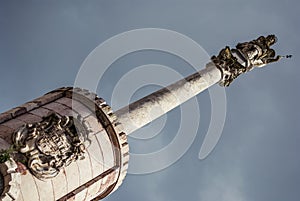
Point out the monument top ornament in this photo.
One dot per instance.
(245, 57)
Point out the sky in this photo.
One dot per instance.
(44, 43)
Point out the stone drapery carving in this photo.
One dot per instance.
(256, 53)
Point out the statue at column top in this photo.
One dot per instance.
(246, 56)
(258, 52)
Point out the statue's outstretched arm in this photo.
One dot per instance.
(271, 60)
(269, 57)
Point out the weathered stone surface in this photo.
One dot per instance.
(145, 110)
(106, 148)
(5, 117)
(93, 190)
(85, 169)
(29, 189)
(30, 106)
(71, 198)
(7, 198)
(5, 135)
(67, 112)
(96, 156)
(11, 166)
(14, 124)
(72, 175)
(56, 107)
(17, 111)
(46, 190)
(93, 124)
(14, 191)
(20, 198)
(65, 101)
(48, 98)
(3, 170)
(81, 195)
(81, 109)
(7, 179)
(108, 181)
(87, 101)
(60, 185)
(41, 112)
(29, 118)
(11, 180)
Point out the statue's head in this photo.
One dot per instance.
(271, 39)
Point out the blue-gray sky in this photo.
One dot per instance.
(43, 44)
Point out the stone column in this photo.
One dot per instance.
(69, 145)
(145, 110)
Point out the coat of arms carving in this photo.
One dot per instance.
(51, 144)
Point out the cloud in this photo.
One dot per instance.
(226, 186)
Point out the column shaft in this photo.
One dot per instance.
(145, 110)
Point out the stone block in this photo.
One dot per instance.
(93, 124)
(93, 190)
(47, 98)
(41, 112)
(85, 169)
(46, 190)
(6, 133)
(28, 188)
(17, 111)
(30, 106)
(11, 166)
(6, 198)
(29, 118)
(66, 112)
(81, 109)
(72, 174)
(3, 169)
(80, 196)
(107, 150)
(60, 185)
(5, 116)
(14, 191)
(14, 124)
(65, 101)
(109, 180)
(56, 107)
(3, 143)
(96, 156)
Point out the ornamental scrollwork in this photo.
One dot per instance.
(51, 144)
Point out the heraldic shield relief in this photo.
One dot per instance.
(51, 144)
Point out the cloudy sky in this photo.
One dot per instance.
(43, 44)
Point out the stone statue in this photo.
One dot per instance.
(258, 52)
(246, 56)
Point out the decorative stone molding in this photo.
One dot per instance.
(228, 65)
(11, 180)
(114, 129)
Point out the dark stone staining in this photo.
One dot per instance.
(5, 117)
(1, 183)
